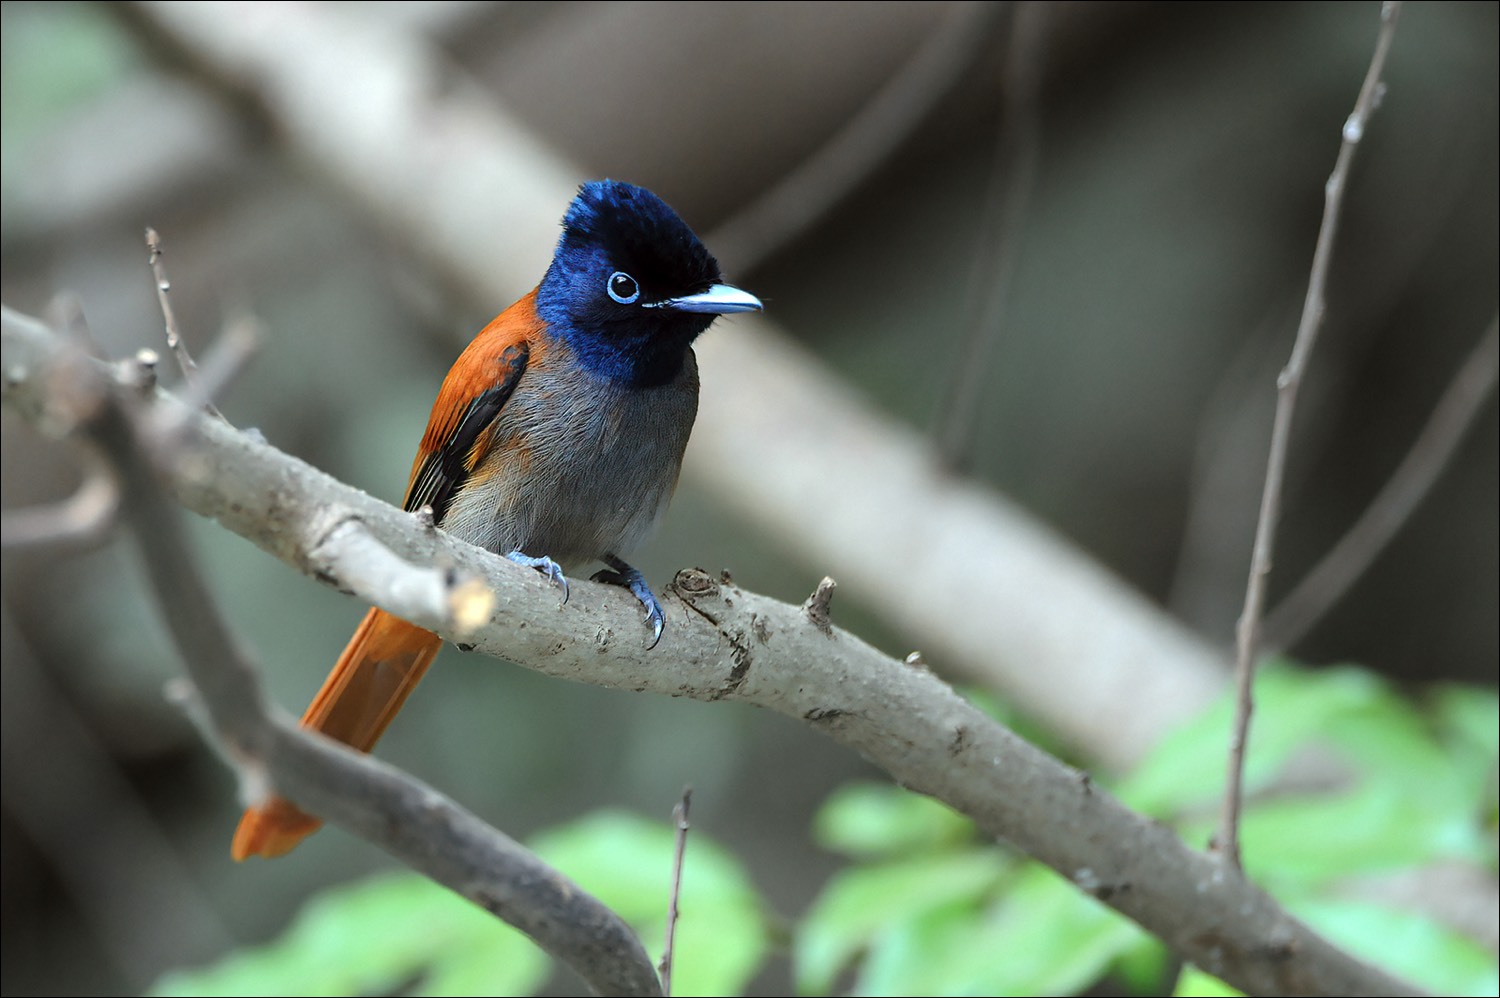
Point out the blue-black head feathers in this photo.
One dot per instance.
(631, 286)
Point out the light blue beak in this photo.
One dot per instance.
(721, 299)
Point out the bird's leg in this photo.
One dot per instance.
(632, 579)
(546, 566)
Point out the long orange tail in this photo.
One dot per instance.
(372, 679)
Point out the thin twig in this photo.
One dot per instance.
(680, 820)
(877, 130)
(174, 337)
(1409, 484)
(65, 314)
(1012, 180)
(81, 519)
(226, 360)
(1247, 633)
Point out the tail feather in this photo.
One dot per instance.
(371, 680)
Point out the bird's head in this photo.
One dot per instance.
(630, 285)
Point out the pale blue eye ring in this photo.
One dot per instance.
(622, 287)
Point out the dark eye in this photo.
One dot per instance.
(622, 287)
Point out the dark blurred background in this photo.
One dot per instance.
(1181, 155)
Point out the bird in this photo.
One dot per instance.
(555, 440)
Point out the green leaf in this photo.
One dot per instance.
(859, 904)
(1293, 708)
(626, 862)
(377, 936)
(1194, 983)
(1378, 826)
(1386, 735)
(1408, 944)
(1038, 936)
(1468, 715)
(1142, 969)
(877, 819)
(1469, 724)
(380, 935)
(1045, 937)
(908, 957)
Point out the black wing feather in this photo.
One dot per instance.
(445, 471)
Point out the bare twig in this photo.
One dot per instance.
(1012, 179)
(230, 354)
(1247, 634)
(680, 821)
(174, 337)
(82, 519)
(65, 314)
(1423, 464)
(809, 192)
(729, 644)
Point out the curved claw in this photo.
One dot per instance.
(630, 578)
(546, 566)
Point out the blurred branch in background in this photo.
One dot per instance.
(84, 518)
(804, 197)
(1227, 466)
(1452, 418)
(106, 846)
(1011, 186)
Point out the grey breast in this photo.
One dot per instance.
(581, 466)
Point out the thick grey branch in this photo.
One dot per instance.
(729, 644)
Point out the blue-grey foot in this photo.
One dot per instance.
(546, 566)
(632, 579)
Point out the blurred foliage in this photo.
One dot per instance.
(400, 933)
(927, 906)
(50, 65)
(378, 936)
(928, 909)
